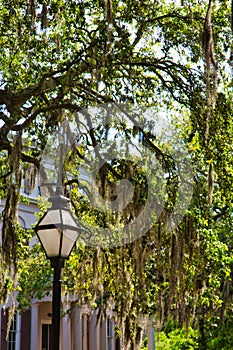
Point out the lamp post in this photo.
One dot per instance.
(57, 231)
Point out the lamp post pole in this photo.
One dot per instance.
(57, 231)
(57, 264)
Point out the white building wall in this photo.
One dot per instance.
(77, 329)
(35, 341)
(66, 332)
(94, 331)
(18, 333)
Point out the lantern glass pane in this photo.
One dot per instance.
(68, 219)
(50, 239)
(69, 239)
(51, 217)
(55, 216)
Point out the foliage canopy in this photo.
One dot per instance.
(58, 58)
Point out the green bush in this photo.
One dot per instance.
(178, 339)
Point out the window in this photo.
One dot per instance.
(109, 333)
(12, 334)
(46, 335)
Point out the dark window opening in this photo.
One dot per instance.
(12, 334)
(46, 336)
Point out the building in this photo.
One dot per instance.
(80, 330)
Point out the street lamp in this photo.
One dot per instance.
(57, 231)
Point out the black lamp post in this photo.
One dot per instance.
(57, 231)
